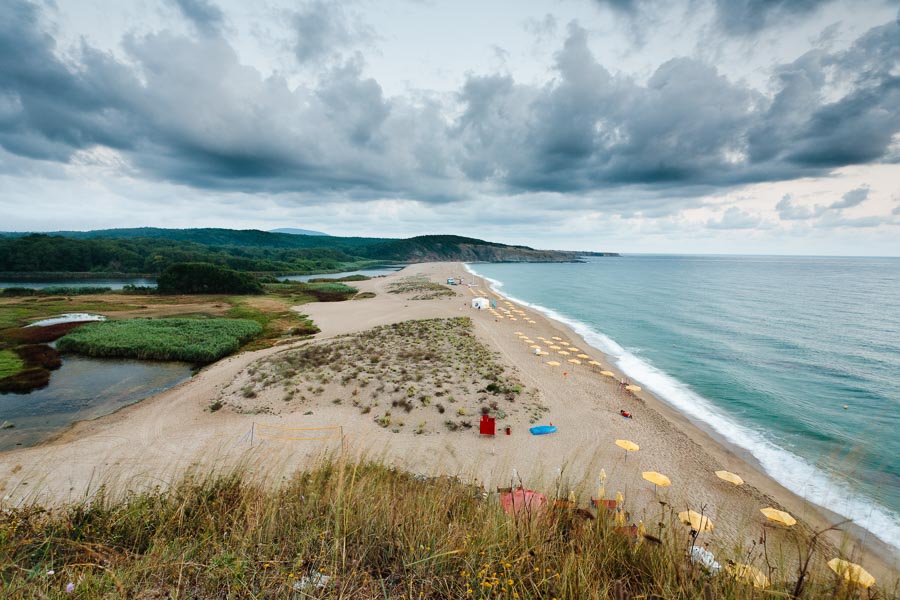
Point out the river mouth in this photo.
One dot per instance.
(83, 388)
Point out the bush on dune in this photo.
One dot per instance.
(191, 340)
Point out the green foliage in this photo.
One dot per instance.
(10, 363)
(330, 292)
(190, 340)
(348, 278)
(56, 290)
(206, 278)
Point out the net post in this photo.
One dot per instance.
(252, 430)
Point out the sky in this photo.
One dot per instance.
(686, 126)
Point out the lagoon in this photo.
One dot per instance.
(83, 388)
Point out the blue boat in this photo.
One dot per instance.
(542, 429)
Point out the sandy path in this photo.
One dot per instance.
(152, 442)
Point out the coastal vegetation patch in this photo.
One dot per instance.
(421, 287)
(10, 363)
(191, 340)
(433, 371)
(367, 531)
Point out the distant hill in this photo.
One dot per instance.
(294, 231)
(148, 250)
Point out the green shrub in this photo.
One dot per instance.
(191, 340)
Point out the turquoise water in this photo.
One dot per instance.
(763, 351)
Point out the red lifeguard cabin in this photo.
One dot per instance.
(488, 425)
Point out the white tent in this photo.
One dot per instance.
(481, 303)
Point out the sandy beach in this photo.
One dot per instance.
(150, 443)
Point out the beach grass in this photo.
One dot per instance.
(356, 530)
(190, 340)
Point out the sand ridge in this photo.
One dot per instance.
(155, 440)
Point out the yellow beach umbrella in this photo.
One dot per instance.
(574, 349)
(697, 521)
(620, 509)
(535, 347)
(778, 516)
(627, 445)
(558, 339)
(553, 363)
(729, 477)
(563, 353)
(554, 347)
(564, 343)
(748, 574)
(574, 361)
(633, 388)
(851, 572)
(594, 363)
(513, 319)
(607, 373)
(583, 356)
(656, 478)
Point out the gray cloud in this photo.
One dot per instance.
(205, 16)
(735, 218)
(742, 17)
(789, 211)
(186, 110)
(851, 198)
(896, 210)
(322, 29)
(731, 17)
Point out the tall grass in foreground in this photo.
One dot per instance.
(191, 340)
(343, 530)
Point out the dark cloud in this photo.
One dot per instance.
(851, 198)
(205, 16)
(185, 109)
(730, 17)
(742, 17)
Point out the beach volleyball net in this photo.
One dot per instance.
(262, 431)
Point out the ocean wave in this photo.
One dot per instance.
(792, 471)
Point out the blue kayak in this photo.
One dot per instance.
(542, 429)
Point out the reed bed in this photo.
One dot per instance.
(190, 340)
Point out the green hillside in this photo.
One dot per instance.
(149, 250)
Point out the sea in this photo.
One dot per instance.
(792, 361)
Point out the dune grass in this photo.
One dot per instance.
(190, 340)
(346, 530)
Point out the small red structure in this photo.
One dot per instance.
(488, 425)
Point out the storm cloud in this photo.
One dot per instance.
(186, 109)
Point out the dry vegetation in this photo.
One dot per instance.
(421, 287)
(360, 531)
(421, 376)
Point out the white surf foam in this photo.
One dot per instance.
(792, 471)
